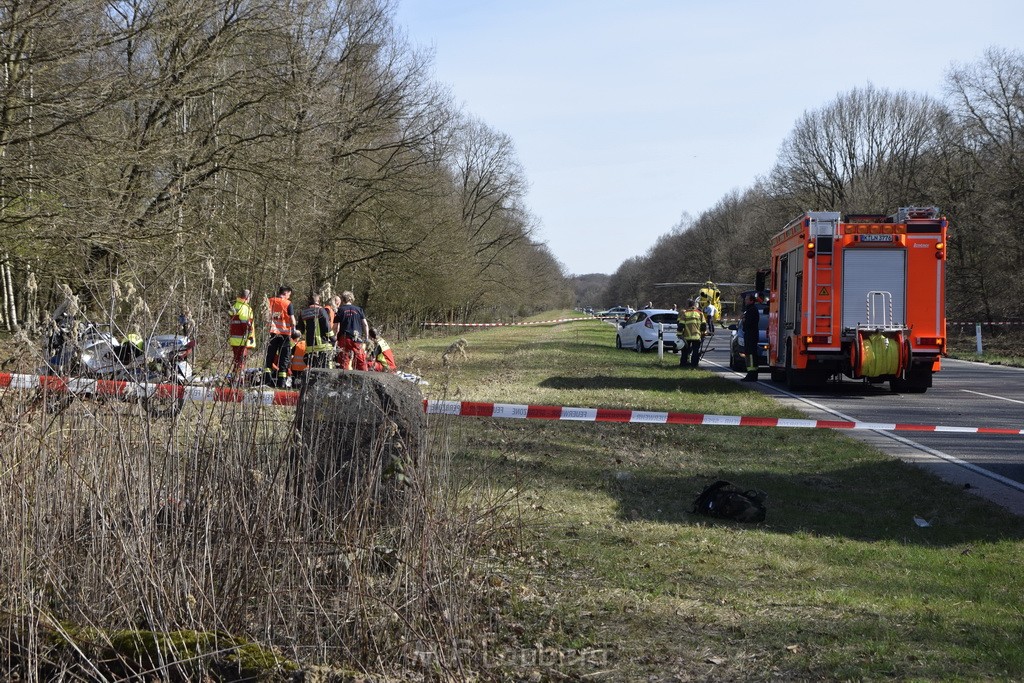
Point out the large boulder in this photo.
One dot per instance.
(360, 441)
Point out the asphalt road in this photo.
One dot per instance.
(963, 394)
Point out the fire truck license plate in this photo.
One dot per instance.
(876, 238)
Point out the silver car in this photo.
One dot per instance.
(640, 330)
(616, 312)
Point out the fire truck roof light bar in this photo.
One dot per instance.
(905, 213)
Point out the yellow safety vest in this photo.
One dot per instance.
(241, 328)
(692, 321)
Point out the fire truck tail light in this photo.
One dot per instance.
(940, 249)
(810, 249)
(816, 339)
(929, 341)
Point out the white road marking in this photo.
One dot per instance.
(961, 361)
(1001, 398)
(1006, 481)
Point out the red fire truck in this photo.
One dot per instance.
(861, 295)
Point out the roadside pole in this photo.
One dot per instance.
(661, 341)
(977, 337)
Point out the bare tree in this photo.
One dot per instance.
(860, 153)
(192, 144)
(983, 179)
(491, 188)
(52, 84)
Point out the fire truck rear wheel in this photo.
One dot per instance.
(917, 382)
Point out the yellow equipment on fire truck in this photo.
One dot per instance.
(863, 296)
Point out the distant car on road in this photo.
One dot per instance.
(737, 359)
(616, 312)
(640, 330)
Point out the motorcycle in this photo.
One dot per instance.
(90, 352)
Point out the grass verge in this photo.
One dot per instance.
(615, 580)
(1000, 346)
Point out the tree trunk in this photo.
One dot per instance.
(10, 303)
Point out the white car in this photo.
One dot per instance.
(640, 330)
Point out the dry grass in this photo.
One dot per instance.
(115, 527)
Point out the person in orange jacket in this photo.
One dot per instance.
(298, 363)
(279, 350)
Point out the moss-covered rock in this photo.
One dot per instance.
(183, 655)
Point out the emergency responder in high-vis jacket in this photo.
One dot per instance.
(691, 328)
(281, 318)
(298, 364)
(382, 358)
(315, 325)
(241, 333)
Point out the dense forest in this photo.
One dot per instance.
(871, 150)
(162, 154)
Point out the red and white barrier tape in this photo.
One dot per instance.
(507, 410)
(1007, 323)
(271, 397)
(534, 322)
(122, 389)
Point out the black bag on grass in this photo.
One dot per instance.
(726, 501)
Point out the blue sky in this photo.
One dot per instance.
(626, 115)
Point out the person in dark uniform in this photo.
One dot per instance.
(315, 325)
(751, 330)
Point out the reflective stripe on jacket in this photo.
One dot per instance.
(298, 363)
(314, 323)
(690, 324)
(240, 329)
(280, 318)
(382, 354)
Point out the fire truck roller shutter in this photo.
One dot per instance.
(872, 270)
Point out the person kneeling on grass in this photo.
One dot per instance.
(382, 358)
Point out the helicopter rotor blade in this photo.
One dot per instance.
(701, 284)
